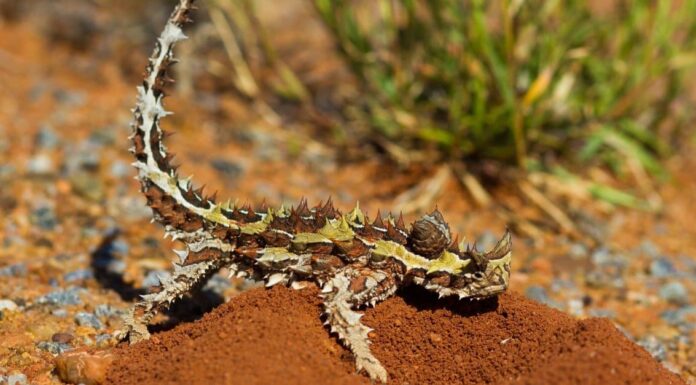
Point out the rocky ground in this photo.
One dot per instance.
(77, 246)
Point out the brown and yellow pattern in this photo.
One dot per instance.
(356, 261)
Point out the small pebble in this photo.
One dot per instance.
(105, 311)
(62, 313)
(46, 137)
(40, 165)
(70, 296)
(16, 270)
(53, 347)
(63, 338)
(44, 217)
(675, 293)
(8, 305)
(218, 285)
(120, 169)
(78, 275)
(654, 346)
(578, 250)
(681, 316)
(649, 248)
(88, 319)
(537, 293)
(103, 339)
(84, 368)
(229, 169)
(661, 267)
(602, 313)
(17, 379)
(87, 186)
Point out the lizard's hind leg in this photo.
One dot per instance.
(184, 279)
(349, 289)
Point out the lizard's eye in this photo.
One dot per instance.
(478, 275)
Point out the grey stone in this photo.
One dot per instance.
(46, 137)
(8, 305)
(120, 169)
(17, 379)
(44, 217)
(69, 97)
(654, 346)
(62, 297)
(101, 338)
(103, 136)
(40, 165)
(537, 293)
(105, 311)
(227, 168)
(674, 292)
(53, 347)
(15, 270)
(648, 248)
(602, 313)
(87, 185)
(61, 313)
(678, 317)
(78, 275)
(662, 267)
(6, 170)
(578, 250)
(88, 319)
(218, 285)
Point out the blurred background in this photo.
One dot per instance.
(571, 122)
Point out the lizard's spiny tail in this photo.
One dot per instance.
(184, 212)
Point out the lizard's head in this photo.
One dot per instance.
(455, 269)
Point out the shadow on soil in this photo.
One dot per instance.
(422, 299)
(187, 309)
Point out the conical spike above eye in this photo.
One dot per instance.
(503, 247)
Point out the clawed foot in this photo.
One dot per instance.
(373, 368)
(134, 331)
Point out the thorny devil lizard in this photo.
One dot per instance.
(355, 262)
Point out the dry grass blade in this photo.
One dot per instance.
(548, 207)
(243, 79)
(423, 195)
(473, 186)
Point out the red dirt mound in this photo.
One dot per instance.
(276, 337)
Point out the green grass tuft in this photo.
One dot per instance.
(515, 81)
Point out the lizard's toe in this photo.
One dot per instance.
(373, 368)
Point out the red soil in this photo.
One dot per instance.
(276, 337)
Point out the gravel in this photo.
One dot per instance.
(62, 297)
(14, 379)
(53, 347)
(661, 268)
(88, 319)
(44, 217)
(675, 293)
(78, 275)
(15, 270)
(654, 346)
(8, 305)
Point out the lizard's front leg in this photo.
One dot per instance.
(183, 280)
(349, 289)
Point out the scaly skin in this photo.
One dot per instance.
(356, 262)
